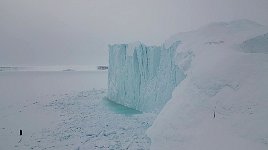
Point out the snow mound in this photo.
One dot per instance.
(222, 102)
(258, 44)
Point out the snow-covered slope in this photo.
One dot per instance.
(222, 103)
(142, 77)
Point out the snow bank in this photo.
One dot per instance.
(221, 80)
(142, 77)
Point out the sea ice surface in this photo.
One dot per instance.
(66, 110)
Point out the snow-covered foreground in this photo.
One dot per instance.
(66, 110)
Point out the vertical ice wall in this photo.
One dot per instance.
(142, 77)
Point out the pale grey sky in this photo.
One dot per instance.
(76, 32)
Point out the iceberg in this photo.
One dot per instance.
(142, 77)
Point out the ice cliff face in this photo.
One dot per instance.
(142, 77)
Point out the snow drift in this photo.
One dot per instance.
(142, 77)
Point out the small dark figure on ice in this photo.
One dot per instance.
(214, 112)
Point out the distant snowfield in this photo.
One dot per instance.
(227, 75)
(66, 110)
(47, 68)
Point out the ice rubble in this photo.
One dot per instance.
(142, 77)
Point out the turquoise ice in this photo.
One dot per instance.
(142, 77)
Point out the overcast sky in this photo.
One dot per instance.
(77, 32)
